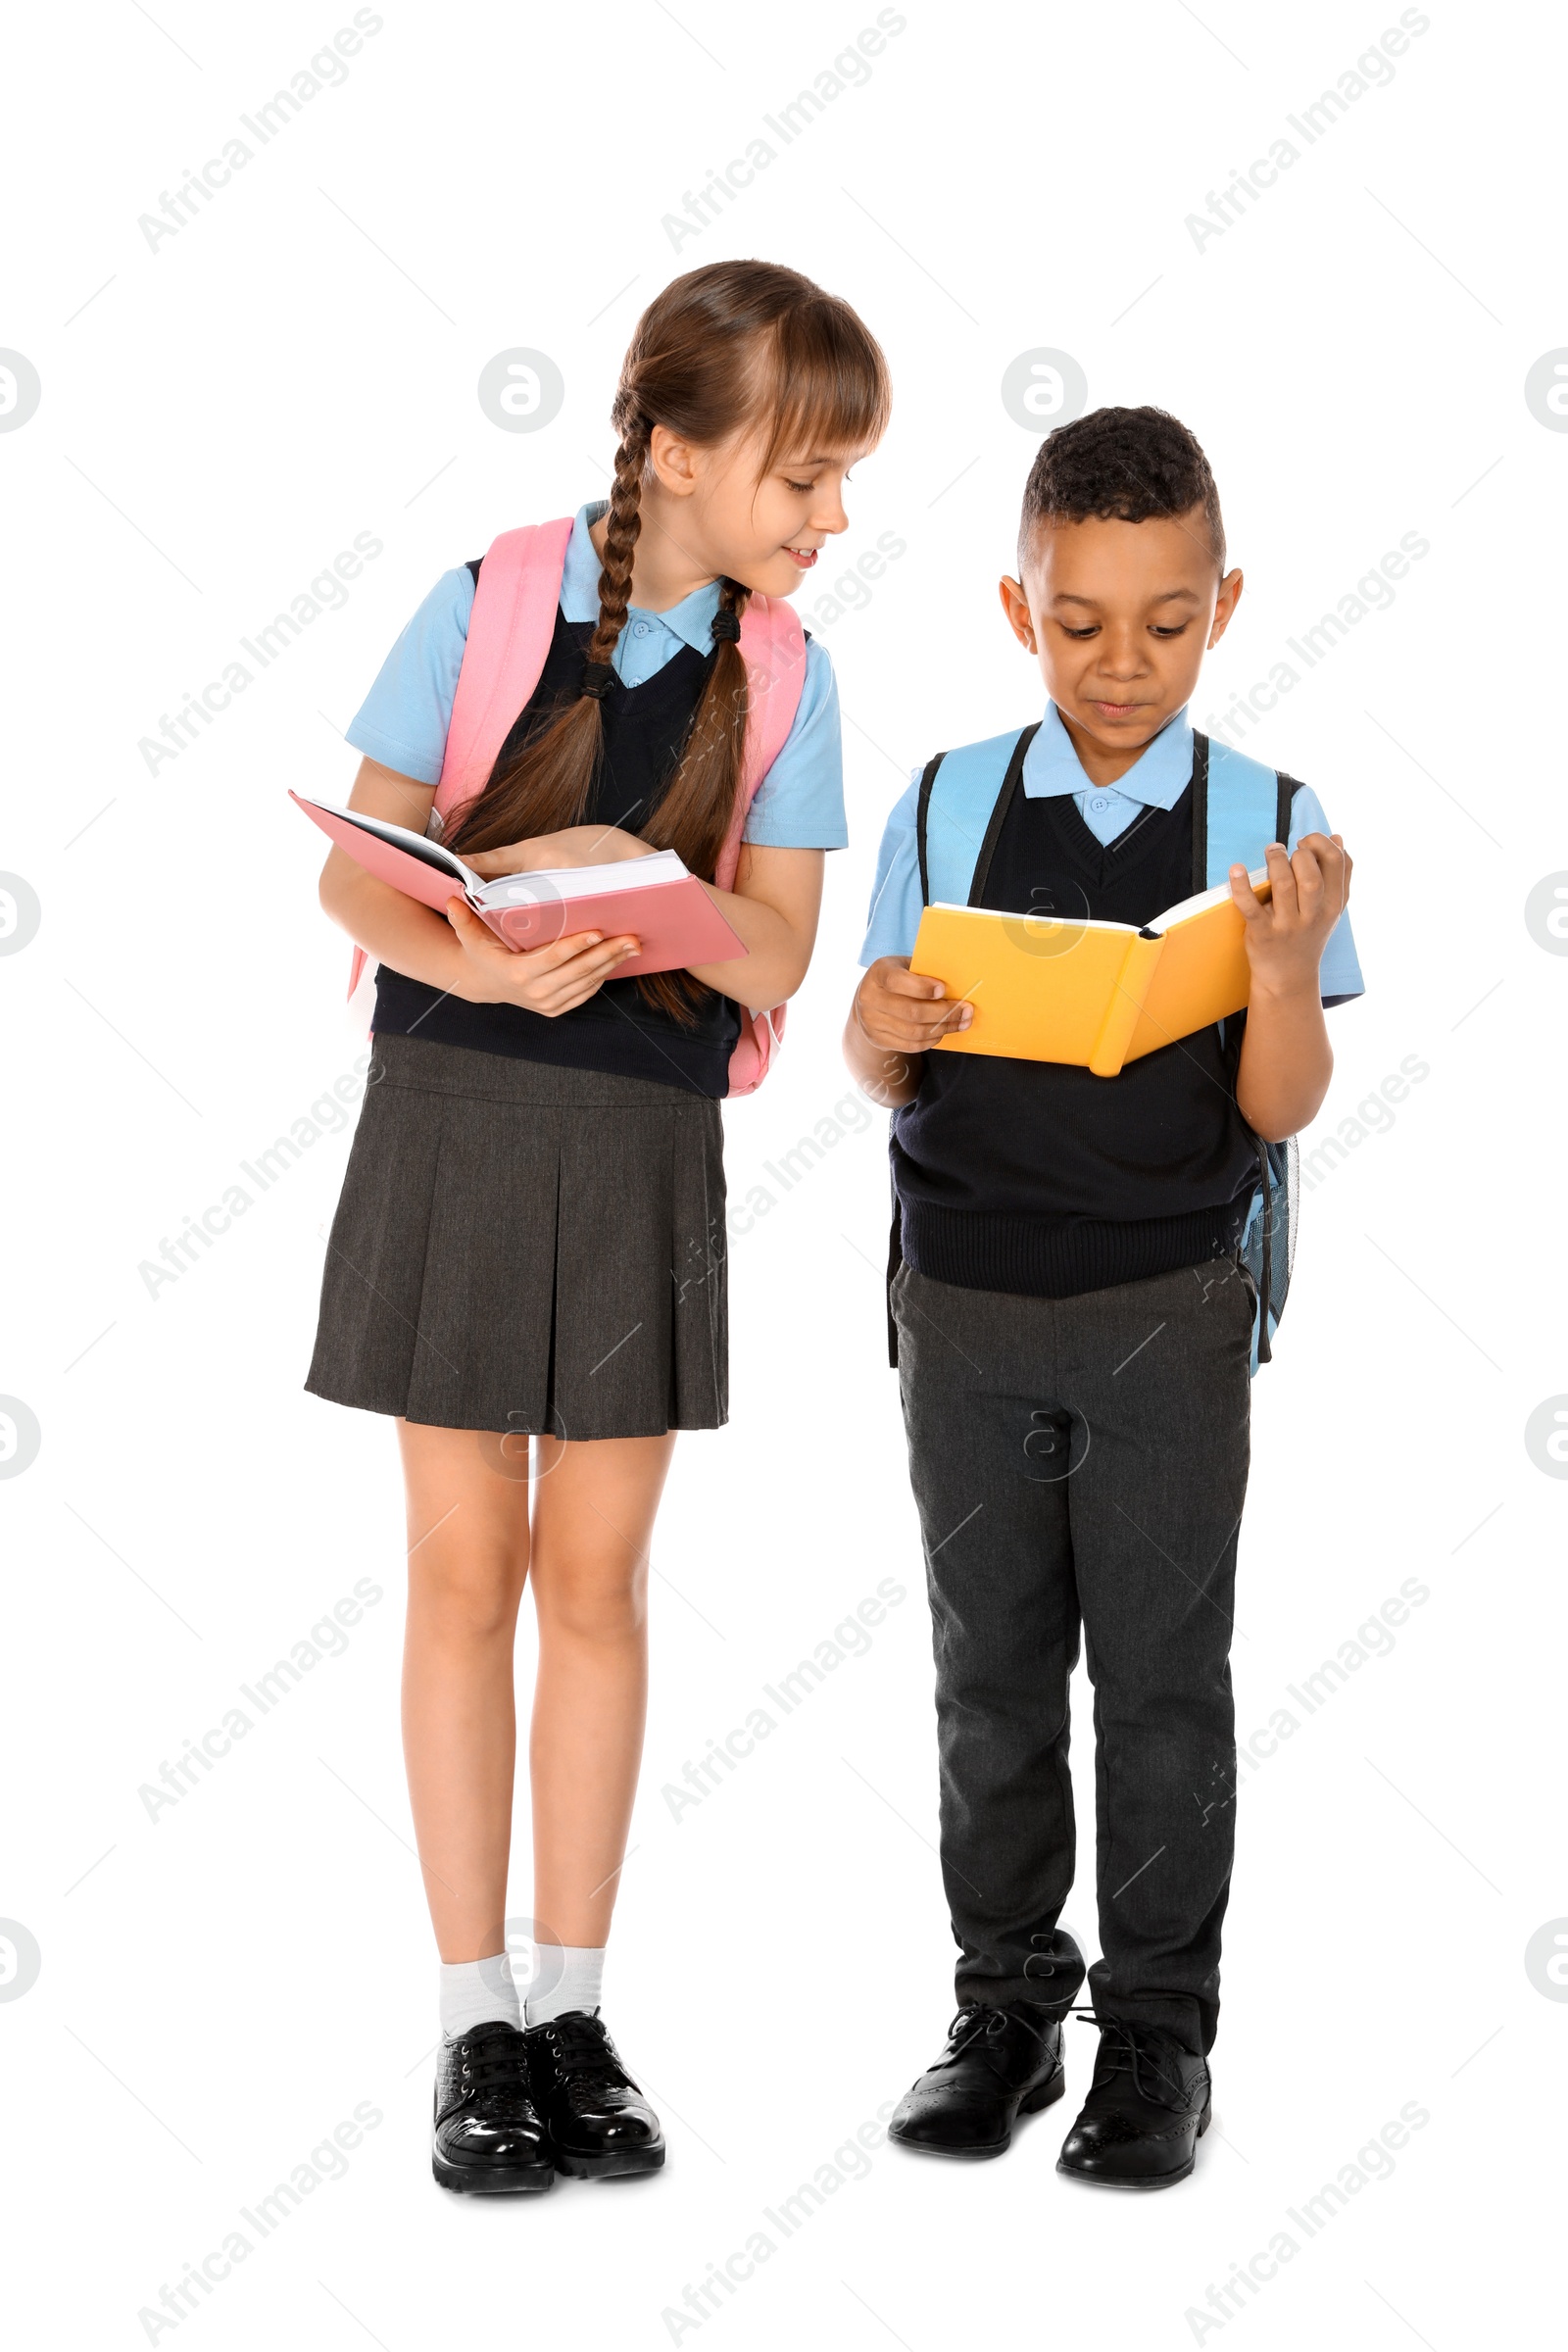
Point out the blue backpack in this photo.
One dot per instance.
(1238, 806)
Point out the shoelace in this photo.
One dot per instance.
(581, 2050)
(976, 2019)
(1137, 2051)
(495, 2070)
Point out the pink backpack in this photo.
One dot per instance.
(510, 632)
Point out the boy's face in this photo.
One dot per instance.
(1119, 615)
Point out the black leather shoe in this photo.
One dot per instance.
(488, 2138)
(1147, 2107)
(598, 2120)
(998, 2063)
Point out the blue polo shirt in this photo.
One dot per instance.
(403, 721)
(1156, 779)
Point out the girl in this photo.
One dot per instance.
(530, 1237)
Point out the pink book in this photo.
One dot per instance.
(654, 897)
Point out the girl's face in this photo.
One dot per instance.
(762, 529)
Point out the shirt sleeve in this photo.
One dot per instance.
(403, 721)
(800, 801)
(1340, 972)
(896, 901)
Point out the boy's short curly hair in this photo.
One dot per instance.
(1127, 465)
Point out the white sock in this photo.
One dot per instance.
(577, 1987)
(475, 1991)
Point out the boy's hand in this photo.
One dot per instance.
(904, 1013)
(1286, 935)
(550, 980)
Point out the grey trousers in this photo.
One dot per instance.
(1081, 1462)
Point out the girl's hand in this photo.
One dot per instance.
(904, 1013)
(578, 844)
(550, 980)
(1286, 935)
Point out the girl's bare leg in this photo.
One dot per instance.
(594, 1509)
(467, 1561)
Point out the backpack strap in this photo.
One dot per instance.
(773, 650)
(516, 599)
(963, 803)
(922, 812)
(1199, 813)
(517, 589)
(1238, 806)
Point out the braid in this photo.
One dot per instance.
(734, 596)
(623, 527)
(694, 816)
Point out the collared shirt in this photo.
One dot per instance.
(404, 719)
(1156, 779)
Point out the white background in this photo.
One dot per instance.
(221, 416)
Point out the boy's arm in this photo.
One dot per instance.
(1286, 1061)
(895, 1018)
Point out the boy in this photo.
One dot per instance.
(1074, 1324)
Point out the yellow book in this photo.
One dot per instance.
(1096, 994)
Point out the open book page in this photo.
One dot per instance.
(515, 889)
(1181, 912)
(582, 881)
(1203, 900)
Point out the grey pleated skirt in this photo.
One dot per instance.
(525, 1248)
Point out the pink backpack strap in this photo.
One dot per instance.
(509, 631)
(774, 648)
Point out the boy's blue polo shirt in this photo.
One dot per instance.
(403, 721)
(1156, 779)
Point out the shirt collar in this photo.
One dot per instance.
(691, 620)
(1157, 777)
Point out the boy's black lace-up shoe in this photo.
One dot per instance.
(488, 2137)
(1147, 2107)
(599, 2124)
(998, 2062)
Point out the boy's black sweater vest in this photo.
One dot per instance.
(617, 1029)
(1037, 1177)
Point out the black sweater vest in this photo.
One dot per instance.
(617, 1029)
(1037, 1177)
